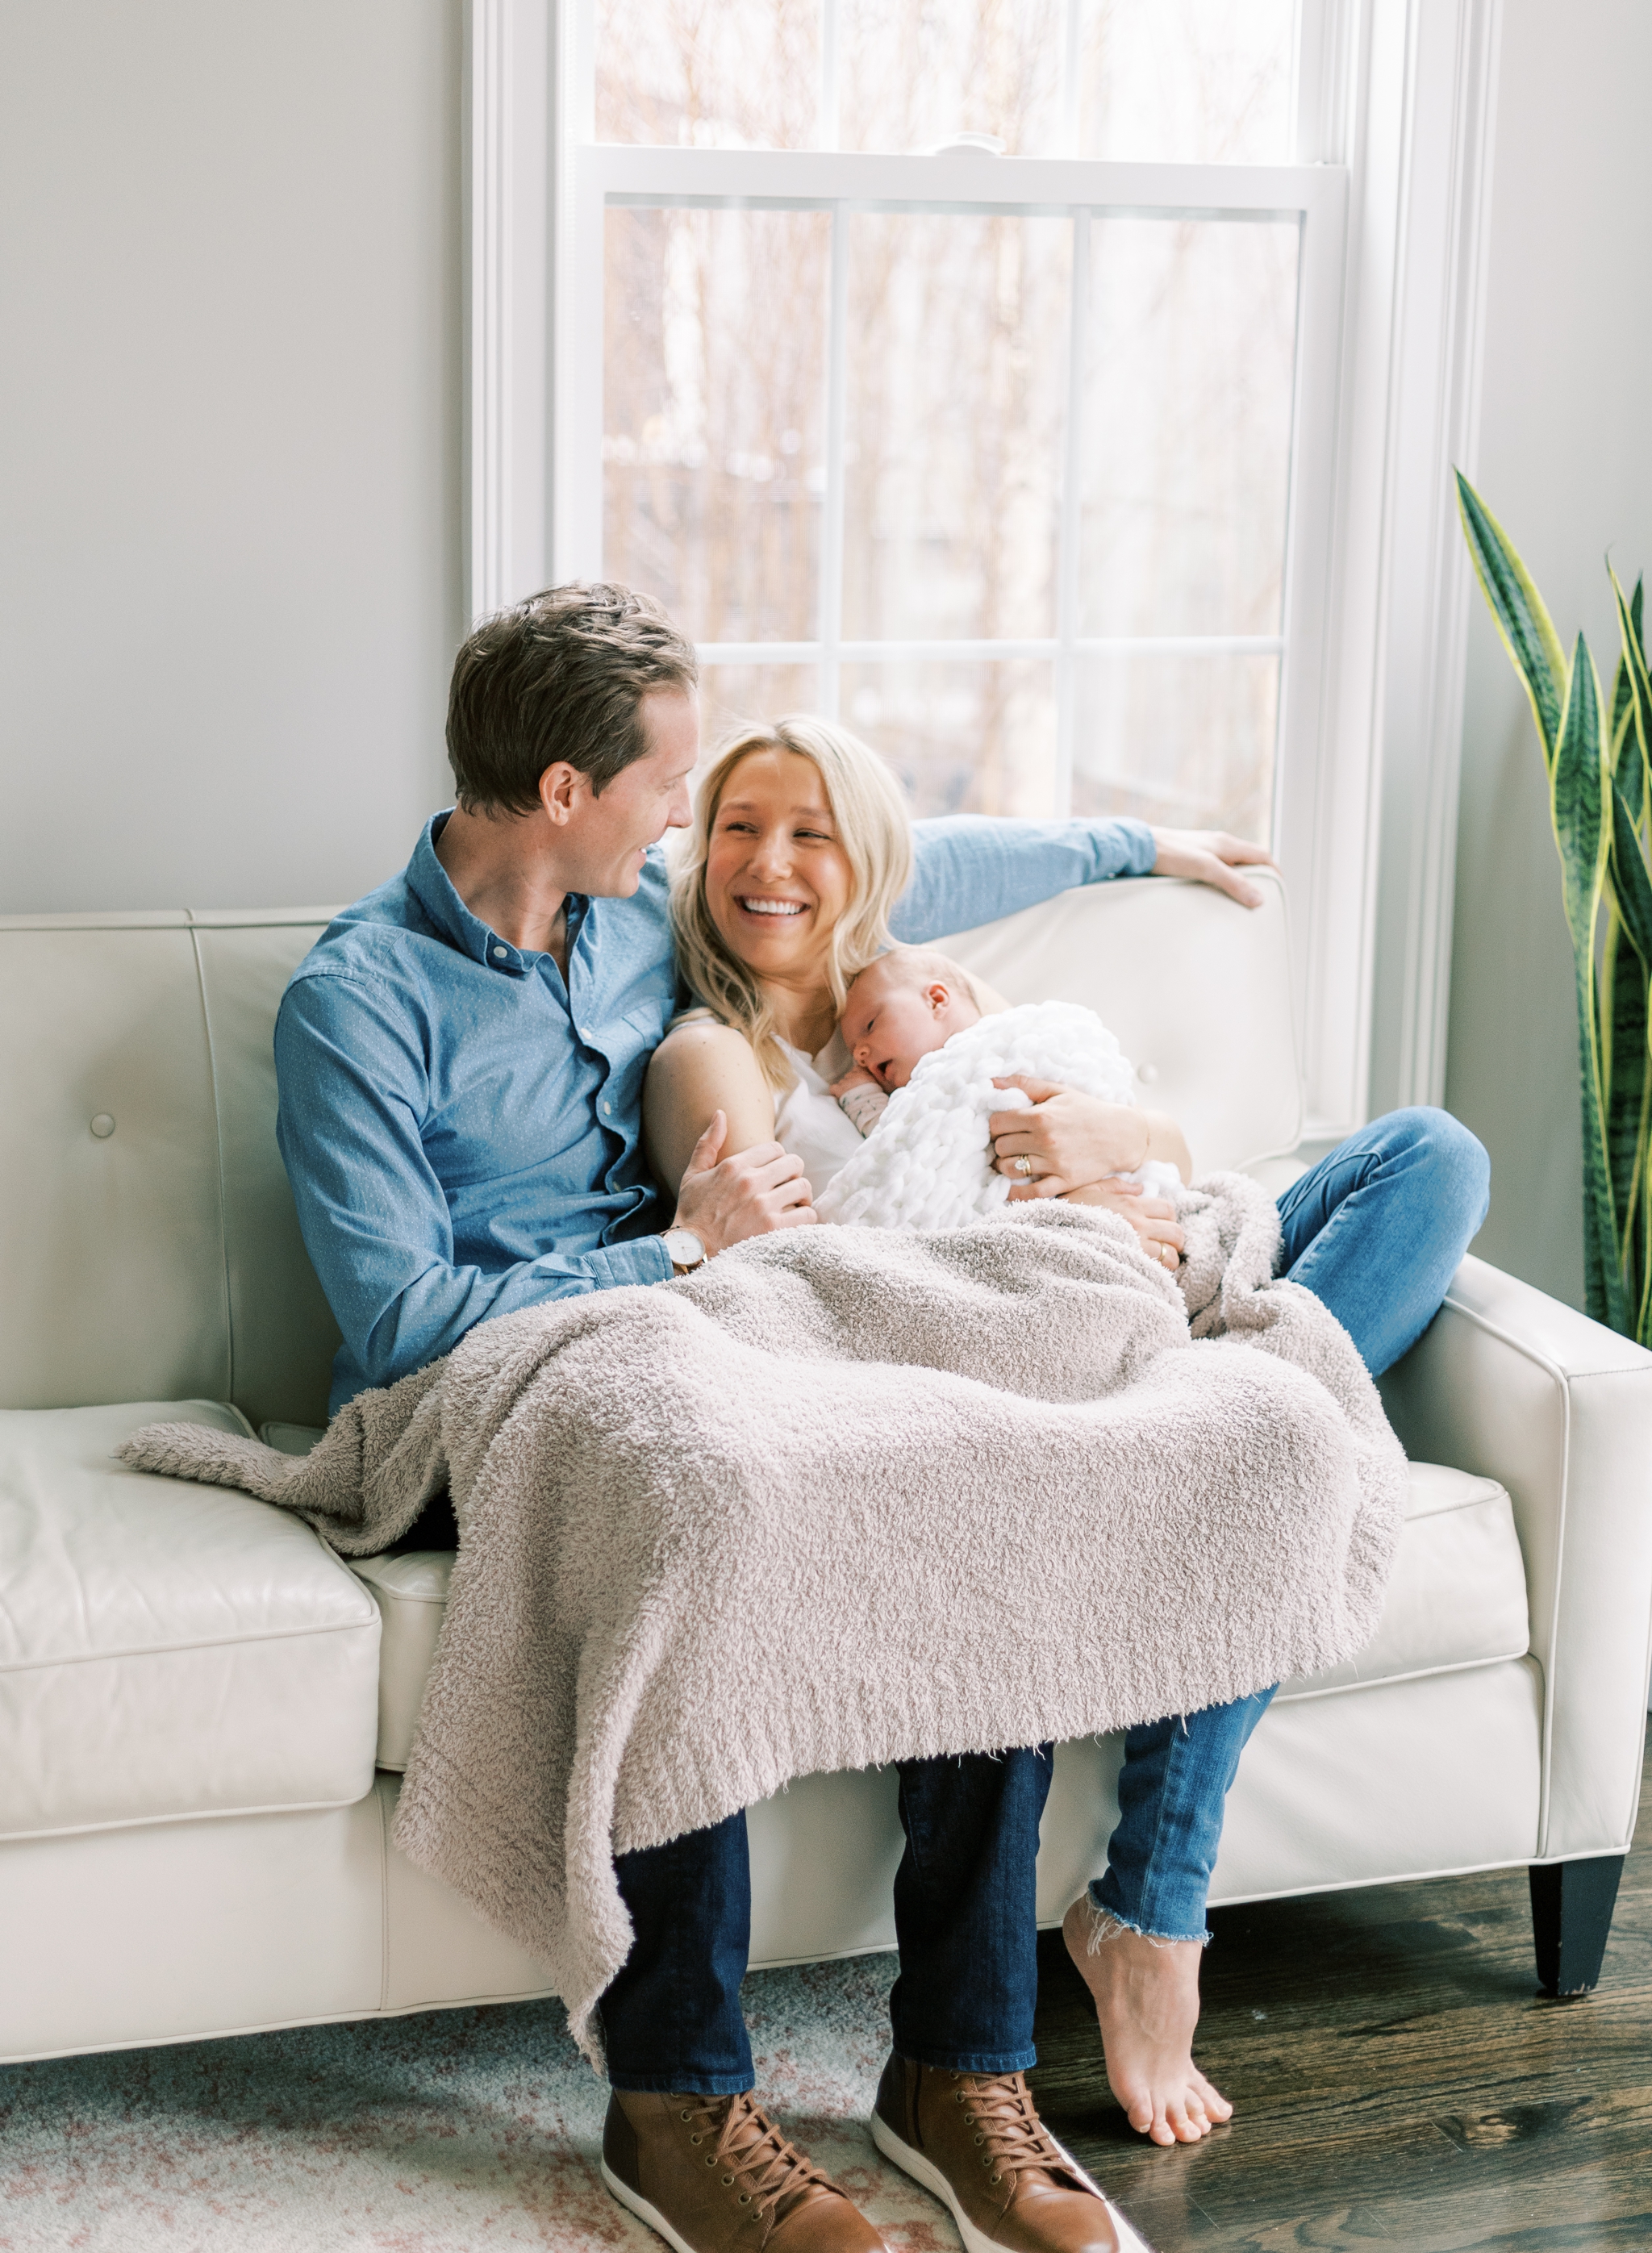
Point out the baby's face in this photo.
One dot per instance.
(892, 1020)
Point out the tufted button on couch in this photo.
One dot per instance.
(204, 1713)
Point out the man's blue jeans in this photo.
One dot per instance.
(1376, 1230)
(965, 1923)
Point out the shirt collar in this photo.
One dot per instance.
(432, 886)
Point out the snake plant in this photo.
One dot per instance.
(1598, 763)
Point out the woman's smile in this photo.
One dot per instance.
(777, 877)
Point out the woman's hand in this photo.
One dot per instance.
(748, 1195)
(1153, 1218)
(1066, 1139)
(1210, 856)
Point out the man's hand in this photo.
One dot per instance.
(724, 1202)
(1210, 856)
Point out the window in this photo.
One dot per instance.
(1110, 471)
(960, 372)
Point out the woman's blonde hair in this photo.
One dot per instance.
(874, 830)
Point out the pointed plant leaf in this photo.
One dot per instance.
(1523, 620)
(1632, 659)
(1581, 809)
(1628, 1081)
(1622, 697)
(1578, 797)
(1622, 686)
(1630, 881)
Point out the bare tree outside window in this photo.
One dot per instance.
(1042, 563)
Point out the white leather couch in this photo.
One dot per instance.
(203, 1712)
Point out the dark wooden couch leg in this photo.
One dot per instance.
(1571, 1905)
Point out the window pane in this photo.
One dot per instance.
(1187, 426)
(1184, 740)
(957, 348)
(1198, 81)
(732, 75)
(734, 697)
(1187, 81)
(964, 737)
(712, 471)
(914, 73)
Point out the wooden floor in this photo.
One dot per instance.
(1398, 2080)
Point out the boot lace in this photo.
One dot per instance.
(747, 2147)
(1014, 2140)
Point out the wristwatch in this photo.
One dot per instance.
(684, 1249)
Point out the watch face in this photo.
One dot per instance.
(685, 1247)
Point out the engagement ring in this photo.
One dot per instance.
(1024, 1166)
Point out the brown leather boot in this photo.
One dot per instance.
(713, 2174)
(976, 2141)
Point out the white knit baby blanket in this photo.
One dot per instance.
(927, 1162)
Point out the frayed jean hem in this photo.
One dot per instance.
(1109, 1921)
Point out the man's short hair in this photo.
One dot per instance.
(560, 676)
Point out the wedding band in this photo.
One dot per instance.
(1024, 1167)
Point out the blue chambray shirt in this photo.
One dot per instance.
(463, 1131)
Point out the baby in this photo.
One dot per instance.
(905, 1005)
(910, 1006)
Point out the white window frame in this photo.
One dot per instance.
(1393, 109)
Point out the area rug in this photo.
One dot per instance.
(448, 2132)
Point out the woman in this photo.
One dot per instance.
(801, 846)
(800, 849)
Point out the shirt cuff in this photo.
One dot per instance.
(1141, 852)
(645, 1260)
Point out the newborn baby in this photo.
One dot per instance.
(925, 1058)
(905, 1005)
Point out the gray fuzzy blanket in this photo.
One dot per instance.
(846, 1495)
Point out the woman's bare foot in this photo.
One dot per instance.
(1146, 1998)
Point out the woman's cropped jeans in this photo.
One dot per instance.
(1376, 1230)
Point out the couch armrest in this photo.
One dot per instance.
(1510, 1382)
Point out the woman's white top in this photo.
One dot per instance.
(806, 1118)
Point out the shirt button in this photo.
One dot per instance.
(608, 1107)
(499, 954)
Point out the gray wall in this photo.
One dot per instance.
(229, 445)
(1566, 465)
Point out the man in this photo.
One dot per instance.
(460, 1060)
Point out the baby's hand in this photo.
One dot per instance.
(856, 1075)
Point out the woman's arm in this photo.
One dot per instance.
(700, 1069)
(1071, 1140)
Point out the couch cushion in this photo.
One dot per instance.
(149, 1239)
(167, 1650)
(1458, 1598)
(411, 1591)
